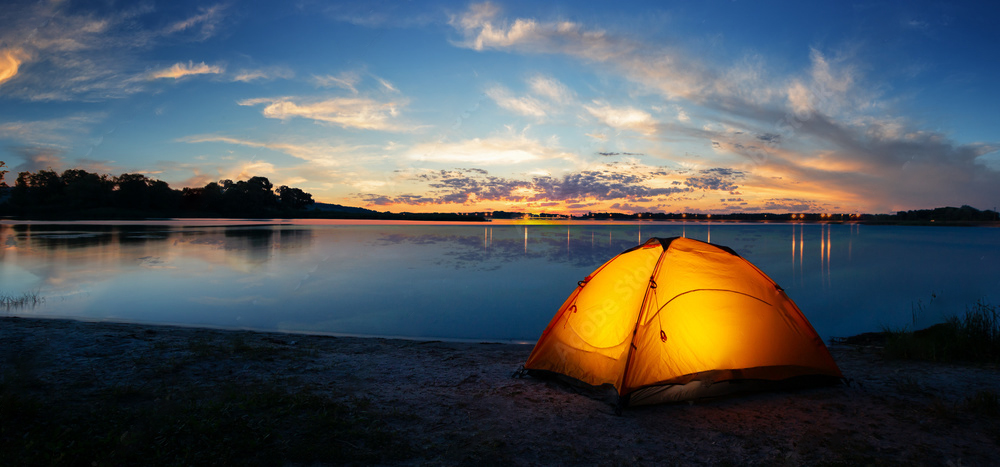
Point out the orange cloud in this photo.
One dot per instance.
(180, 70)
(10, 61)
(347, 112)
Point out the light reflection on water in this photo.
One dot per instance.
(496, 281)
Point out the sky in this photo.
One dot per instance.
(562, 107)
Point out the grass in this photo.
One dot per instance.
(169, 421)
(985, 402)
(235, 426)
(972, 337)
(16, 302)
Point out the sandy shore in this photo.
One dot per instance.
(456, 403)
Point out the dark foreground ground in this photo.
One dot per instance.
(77, 393)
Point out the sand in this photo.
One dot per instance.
(457, 403)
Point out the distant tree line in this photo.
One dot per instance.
(920, 216)
(78, 193)
(948, 214)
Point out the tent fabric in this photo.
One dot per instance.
(674, 319)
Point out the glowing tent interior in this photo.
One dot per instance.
(676, 319)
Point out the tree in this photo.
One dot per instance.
(2, 173)
(37, 189)
(293, 199)
(162, 197)
(254, 196)
(86, 190)
(133, 191)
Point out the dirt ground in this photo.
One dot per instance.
(457, 403)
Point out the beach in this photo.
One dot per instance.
(430, 402)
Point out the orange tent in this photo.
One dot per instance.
(676, 319)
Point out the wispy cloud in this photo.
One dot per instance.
(55, 52)
(51, 132)
(10, 62)
(525, 105)
(495, 150)
(346, 80)
(382, 14)
(666, 69)
(35, 158)
(482, 29)
(623, 118)
(263, 74)
(352, 80)
(319, 153)
(551, 88)
(180, 70)
(548, 96)
(205, 22)
(347, 112)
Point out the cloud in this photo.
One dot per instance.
(623, 118)
(682, 115)
(253, 168)
(180, 70)
(381, 14)
(483, 30)
(35, 158)
(52, 132)
(263, 74)
(386, 84)
(346, 80)
(347, 112)
(547, 91)
(661, 68)
(320, 154)
(10, 62)
(208, 19)
(351, 79)
(83, 53)
(621, 154)
(715, 179)
(527, 105)
(486, 151)
(608, 182)
(551, 88)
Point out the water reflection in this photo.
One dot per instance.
(496, 281)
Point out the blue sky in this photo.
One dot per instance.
(717, 106)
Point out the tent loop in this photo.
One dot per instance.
(571, 310)
(652, 283)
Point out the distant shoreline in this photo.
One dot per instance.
(436, 218)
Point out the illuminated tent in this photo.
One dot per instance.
(677, 319)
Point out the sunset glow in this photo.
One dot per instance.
(710, 107)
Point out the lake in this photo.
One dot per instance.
(497, 281)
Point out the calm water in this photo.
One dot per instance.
(496, 281)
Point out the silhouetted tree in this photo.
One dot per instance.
(37, 189)
(293, 199)
(76, 190)
(132, 192)
(213, 197)
(84, 190)
(162, 197)
(2, 173)
(254, 196)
